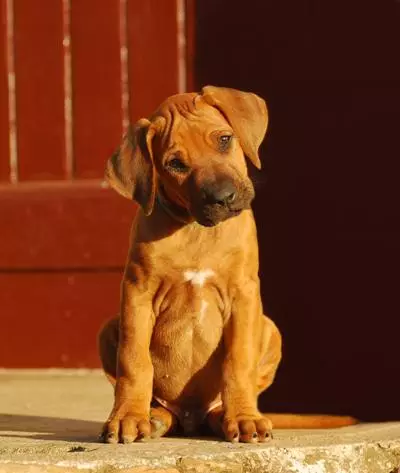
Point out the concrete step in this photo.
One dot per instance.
(50, 420)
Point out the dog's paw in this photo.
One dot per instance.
(126, 428)
(248, 429)
(162, 422)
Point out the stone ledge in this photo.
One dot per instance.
(50, 421)
(362, 449)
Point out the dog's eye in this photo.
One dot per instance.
(177, 165)
(224, 141)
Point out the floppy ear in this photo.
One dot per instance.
(246, 113)
(130, 170)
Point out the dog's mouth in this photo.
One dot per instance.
(212, 215)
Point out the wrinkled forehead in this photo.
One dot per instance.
(186, 117)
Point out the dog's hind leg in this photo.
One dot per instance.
(270, 354)
(107, 342)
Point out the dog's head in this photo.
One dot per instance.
(192, 150)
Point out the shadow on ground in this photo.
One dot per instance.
(49, 428)
(68, 430)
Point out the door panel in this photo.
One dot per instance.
(51, 319)
(82, 70)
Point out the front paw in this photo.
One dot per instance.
(247, 428)
(125, 426)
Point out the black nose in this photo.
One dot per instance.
(222, 193)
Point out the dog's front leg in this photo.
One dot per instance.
(242, 420)
(129, 419)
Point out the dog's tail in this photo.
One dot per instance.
(309, 421)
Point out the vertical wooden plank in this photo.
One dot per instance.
(40, 89)
(68, 125)
(153, 54)
(4, 128)
(181, 44)
(190, 44)
(96, 84)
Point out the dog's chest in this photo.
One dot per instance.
(188, 330)
(189, 311)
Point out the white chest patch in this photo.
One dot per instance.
(198, 278)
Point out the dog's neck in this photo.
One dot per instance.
(175, 211)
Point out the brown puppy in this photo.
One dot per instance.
(192, 340)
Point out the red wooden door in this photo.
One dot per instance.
(72, 75)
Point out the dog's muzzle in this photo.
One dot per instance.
(218, 201)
